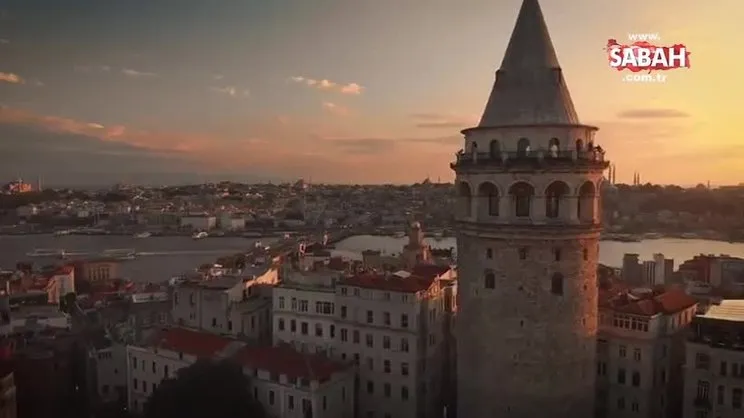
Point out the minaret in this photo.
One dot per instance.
(528, 226)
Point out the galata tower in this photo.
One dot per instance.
(528, 216)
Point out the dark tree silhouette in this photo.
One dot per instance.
(205, 389)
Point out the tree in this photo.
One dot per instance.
(205, 389)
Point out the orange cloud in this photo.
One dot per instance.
(11, 78)
(350, 88)
(276, 147)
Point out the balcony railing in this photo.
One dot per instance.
(537, 158)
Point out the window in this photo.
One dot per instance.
(370, 387)
(404, 369)
(386, 318)
(165, 371)
(404, 393)
(703, 390)
(634, 406)
(318, 330)
(154, 367)
(556, 284)
(280, 324)
(720, 395)
(355, 337)
(229, 325)
(521, 194)
(281, 302)
(303, 328)
(294, 304)
(134, 383)
(332, 329)
(386, 342)
(370, 317)
(636, 379)
(370, 363)
(404, 345)
(489, 253)
(290, 402)
(490, 280)
(621, 403)
(343, 312)
(702, 361)
(736, 398)
(622, 351)
(370, 340)
(324, 308)
(386, 366)
(522, 253)
(637, 354)
(621, 376)
(344, 291)
(404, 321)
(303, 306)
(271, 397)
(344, 334)
(134, 362)
(724, 368)
(601, 368)
(557, 254)
(293, 325)
(386, 390)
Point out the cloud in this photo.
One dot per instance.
(137, 74)
(324, 84)
(335, 109)
(4, 41)
(231, 91)
(652, 114)
(11, 78)
(427, 120)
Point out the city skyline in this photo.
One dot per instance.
(340, 92)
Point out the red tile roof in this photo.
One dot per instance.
(430, 271)
(190, 342)
(285, 360)
(657, 302)
(391, 283)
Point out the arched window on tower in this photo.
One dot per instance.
(489, 253)
(556, 284)
(555, 195)
(488, 196)
(465, 200)
(554, 146)
(494, 149)
(489, 280)
(585, 207)
(522, 194)
(523, 147)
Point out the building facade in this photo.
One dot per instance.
(394, 327)
(640, 352)
(528, 225)
(714, 373)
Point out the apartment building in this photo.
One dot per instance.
(640, 352)
(714, 373)
(230, 305)
(286, 382)
(394, 327)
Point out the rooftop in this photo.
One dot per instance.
(199, 344)
(390, 283)
(284, 360)
(646, 303)
(727, 310)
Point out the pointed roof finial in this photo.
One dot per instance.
(529, 87)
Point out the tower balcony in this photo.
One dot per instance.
(593, 159)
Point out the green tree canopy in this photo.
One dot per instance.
(206, 389)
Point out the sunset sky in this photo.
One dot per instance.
(340, 91)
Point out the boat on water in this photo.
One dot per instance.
(46, 252)
(399, 235)
(438, 236)
(62, 233)
(143, 235)
(120, 253)
(200, 235)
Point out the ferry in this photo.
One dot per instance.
(46, 252)
(120, 253)
(200, 235)
(143, 235)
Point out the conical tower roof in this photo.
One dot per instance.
(529, 87)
